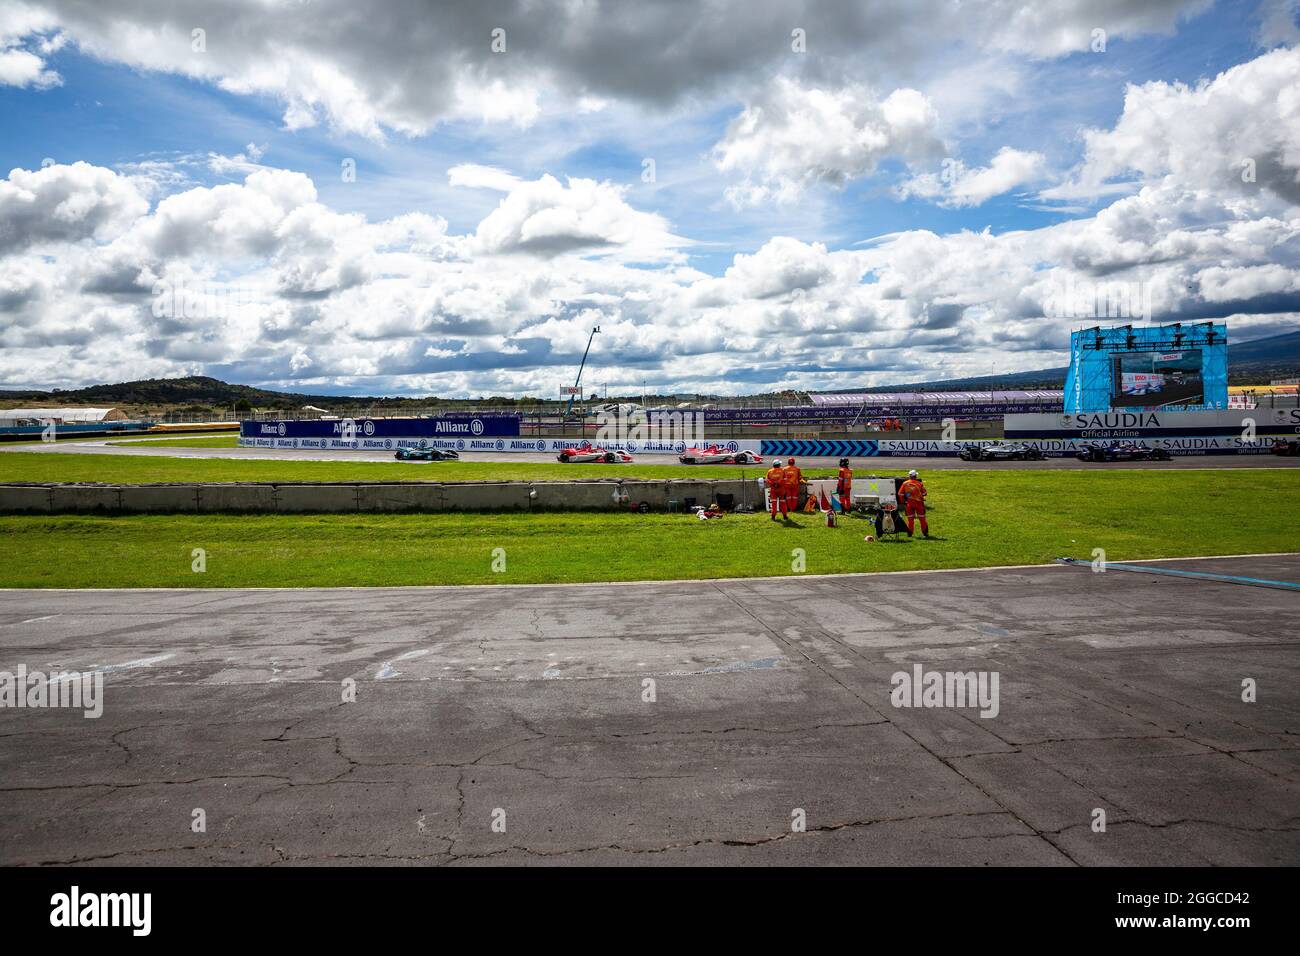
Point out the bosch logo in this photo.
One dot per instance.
(368, 428)
(476, 427)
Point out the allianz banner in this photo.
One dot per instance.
(537, 446)
(450, 426)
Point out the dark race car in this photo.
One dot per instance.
(999, 451)
(1121, 451)
(570, 456)
(1283, 446)
(426, 454)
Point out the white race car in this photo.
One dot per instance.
(577, 455)
(714, 455)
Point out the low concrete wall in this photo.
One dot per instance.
(176, 499)
(577, 495)
(487, 496)
(236, 497)
(85, 498)
(25, 498)
(329, 498)
(397, 498)
(347, 497)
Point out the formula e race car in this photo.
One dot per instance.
(1282, 446)
(999, 451)
(571, 456)
(713, 455)
(426, 454)
(1121, 451)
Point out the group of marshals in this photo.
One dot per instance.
(783, 492)
(783, 487)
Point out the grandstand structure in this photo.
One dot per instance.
(1040, 396)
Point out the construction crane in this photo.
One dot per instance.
(577, 385)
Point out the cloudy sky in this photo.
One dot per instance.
(745, 195)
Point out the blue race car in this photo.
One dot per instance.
(1121, 451)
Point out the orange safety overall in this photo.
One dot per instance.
(793, 476)
(775, 480)
(844, 488)
(913, 494)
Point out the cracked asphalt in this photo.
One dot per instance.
(1119, 692)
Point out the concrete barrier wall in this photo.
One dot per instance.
(236, 497)
(25, 498)
(85, 498)
(175, 499)
(343, 498)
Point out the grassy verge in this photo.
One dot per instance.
(135, 470)
(217, 440)
(979, 518)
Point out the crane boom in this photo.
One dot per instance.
(578, 381)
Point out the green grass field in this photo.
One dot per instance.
(979, 518)
(142, 469)
(215, 440)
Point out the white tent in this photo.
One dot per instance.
(63, 415)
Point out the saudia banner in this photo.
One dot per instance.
(1119, 424)
(349, 429)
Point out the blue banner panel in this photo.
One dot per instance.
(467, 426)
(820, 448)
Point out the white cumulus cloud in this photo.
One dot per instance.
(792, 136)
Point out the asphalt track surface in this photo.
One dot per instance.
(882, 464)
(1119, 692)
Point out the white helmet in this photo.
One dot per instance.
(776, 462)
(912, 474)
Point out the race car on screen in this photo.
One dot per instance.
(999, 451)
(571, 456)
(1121, 451)
(426, 454)
(713, 455)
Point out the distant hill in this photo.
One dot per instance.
(1249, 363)
(1257, 361)
(194, 390)
(198, 390)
